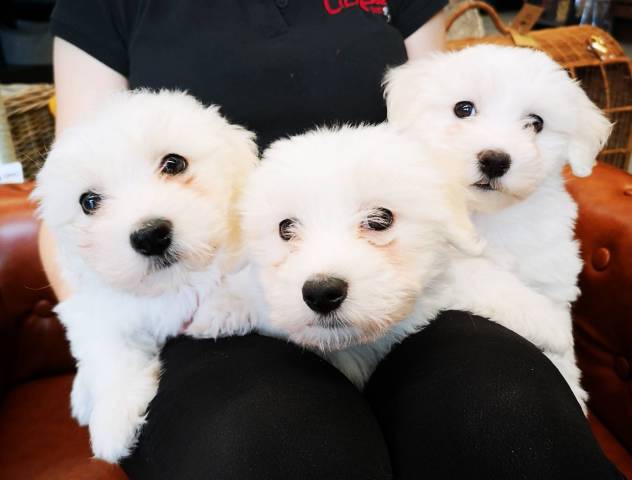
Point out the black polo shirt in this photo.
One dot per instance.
(277, 67)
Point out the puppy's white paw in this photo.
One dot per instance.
(223, 314)
(581, 170)
(113, 432)
(119, 414)
(80, 401)
(567, 366)
(545, 325)
(550, 330)
(581, 396)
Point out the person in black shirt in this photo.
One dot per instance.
(275, 67)
(464, 397)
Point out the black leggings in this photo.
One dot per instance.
(464, 398)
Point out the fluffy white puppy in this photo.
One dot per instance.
(359, 239)
(141, 201)
(506, 120)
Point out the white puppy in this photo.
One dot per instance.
(141, 202)
(507, 120)
(353, 233)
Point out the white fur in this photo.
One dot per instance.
(329, 181)
(122, 309)
(528, 220)
(399, 278)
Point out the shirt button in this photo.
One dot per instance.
(281, 3)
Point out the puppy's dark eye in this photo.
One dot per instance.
(464, 109)
(173, 164)
(89, 202)
(287, 228)
(378, 219)
(536, 122)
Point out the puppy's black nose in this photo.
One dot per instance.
(153, 238)
(324, 294)
(493, 163)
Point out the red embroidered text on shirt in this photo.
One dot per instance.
(336, 6)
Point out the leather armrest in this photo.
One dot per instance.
(32, 341)
(603, 313)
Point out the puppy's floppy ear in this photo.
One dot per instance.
(53, 192)
(401, 88)
(234, 255)
(591, 132)
(233, 258)
(459, 228)
(243, 161)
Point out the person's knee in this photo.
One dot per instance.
(499, 361)
(295, 430)
(471, 388)
(461, 350)
(489, 371)
(254, 407)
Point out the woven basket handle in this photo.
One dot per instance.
(465, 6)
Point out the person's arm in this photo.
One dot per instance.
(428, 38)
(81, 84)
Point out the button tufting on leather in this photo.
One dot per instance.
(627, 191)
(622, 367)
(601, 259)
(43, 309)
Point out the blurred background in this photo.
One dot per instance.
(26, 45)
(27, 103)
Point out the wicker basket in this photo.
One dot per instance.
(32, 125)
(469, 25)
(590, 55)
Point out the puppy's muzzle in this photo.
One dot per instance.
(493, 163)
(153, 238)
(324, 294)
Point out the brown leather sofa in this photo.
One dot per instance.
(39, 440)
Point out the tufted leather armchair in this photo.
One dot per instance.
(39, 440)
